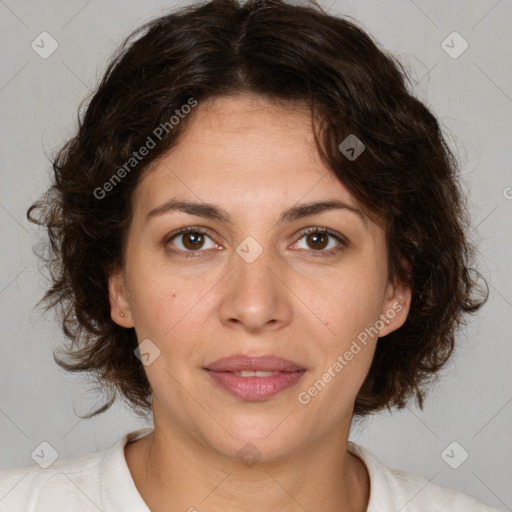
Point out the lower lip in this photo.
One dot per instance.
(256, 389)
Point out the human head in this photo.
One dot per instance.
(405, 179)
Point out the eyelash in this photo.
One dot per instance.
(191, 229)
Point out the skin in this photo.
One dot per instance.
(254, 158)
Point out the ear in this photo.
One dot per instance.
(118, 299)
(396, 305)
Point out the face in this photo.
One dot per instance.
(253, 280)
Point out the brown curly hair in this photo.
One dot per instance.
(406, 179)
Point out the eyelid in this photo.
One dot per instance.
(184, 231)
(343, 242)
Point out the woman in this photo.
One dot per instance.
(256, 236)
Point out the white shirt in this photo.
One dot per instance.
(102, 482)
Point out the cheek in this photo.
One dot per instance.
(349, 304)
(164, 309)
(344, 347)
(159, 296)
(172, 311)
(346, 338)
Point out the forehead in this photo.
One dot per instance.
(245, 133)
(245, 152)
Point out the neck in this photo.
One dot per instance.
(174, 466)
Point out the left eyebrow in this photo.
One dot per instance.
(211, 211)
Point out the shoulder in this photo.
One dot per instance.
(84, 483)
(393, 489)
(72, 484)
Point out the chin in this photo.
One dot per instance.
(267, 437)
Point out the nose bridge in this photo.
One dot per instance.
(253, 264)
(256, 296)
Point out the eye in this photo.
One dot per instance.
(317, 239)
(191, 239)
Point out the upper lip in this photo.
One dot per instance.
(239, 362)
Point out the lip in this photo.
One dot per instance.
(239, 362)
(254, 388)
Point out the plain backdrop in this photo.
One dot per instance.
(471, 95)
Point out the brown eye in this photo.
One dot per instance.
(317, 240)
(190, 240)
(193, 240)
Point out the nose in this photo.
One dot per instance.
(255, 295)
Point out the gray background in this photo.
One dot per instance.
(470, 94)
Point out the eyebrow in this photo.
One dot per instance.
(211, 211)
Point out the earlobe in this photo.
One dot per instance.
(119, 305)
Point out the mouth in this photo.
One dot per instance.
(254, 378)
(243, 362)
(250, 373)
